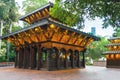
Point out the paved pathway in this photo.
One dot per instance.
(89, 73)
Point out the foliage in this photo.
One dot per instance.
(59, 12)
(95, 49)
(74, 12)
(117, 33)
(107, 10)
(4, 53)
(8, 15)
(8, 10)
(31, 5)
(14, 28)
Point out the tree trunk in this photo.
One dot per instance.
(8, 44)
(1, 28)
(10, 29)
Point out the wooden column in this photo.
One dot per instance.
(16, 58)
(72, 60)
(31, 51)
(32, 57)
(19, 58)
(78, 62)
(49, 59)
(66, 62)
(24, 58)
(39, 52)
(28, 60)
(21, 54)
(58, 60)
(84, 58)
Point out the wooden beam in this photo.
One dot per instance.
(27, 35)
(32, 33)
(83, 40)
(35, 34)
(16, 40)
(63, 33)
(22, 36)
(70, 36)
(46, 11)
(27, 19)
(87, 41)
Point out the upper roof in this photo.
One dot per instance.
(37, 14)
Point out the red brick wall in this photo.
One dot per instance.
(99, 63)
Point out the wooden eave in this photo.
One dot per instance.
(47, 6)
(49, 33)
(111, 52)
(115, 44)
(46, 21)
(114, 38)
(72, 29)
(40, 23)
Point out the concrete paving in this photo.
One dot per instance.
(89, 73)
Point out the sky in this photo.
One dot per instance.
(97, 23)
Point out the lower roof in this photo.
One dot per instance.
(113, 38)
(49, 20)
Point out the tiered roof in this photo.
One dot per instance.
(44, 28)
(114, 46)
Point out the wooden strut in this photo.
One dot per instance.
(83, 40)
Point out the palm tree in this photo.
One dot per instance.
(2, 17)
(8, 15)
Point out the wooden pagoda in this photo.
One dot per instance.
(48, 44)
(113, 55)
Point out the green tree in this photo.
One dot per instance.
(117, 33)
(2, 17)
(95, 49)
(107, 10)
(8, 15)
(59, 12)
(31, 5)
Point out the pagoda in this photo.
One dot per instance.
(48, 44)
(113, 55)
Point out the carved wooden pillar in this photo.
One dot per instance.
(19, 60)
(24, 58)
(32, 57)
(49, 59)
(84, 58)
(66, 61)
(39, 52)
(72, 60)
(21, 54)
(16, 58)
(78, 62)
(27, 55)
(58, 60)
(31, 51)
